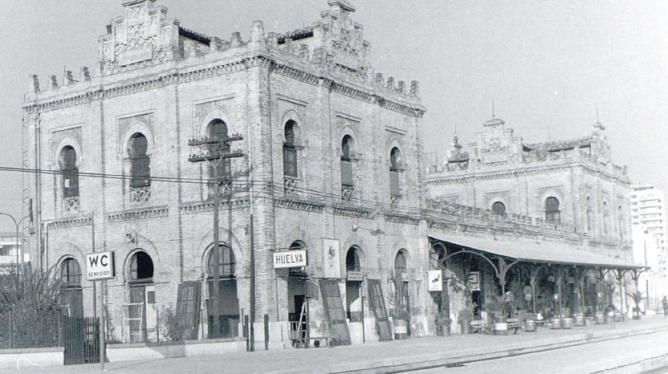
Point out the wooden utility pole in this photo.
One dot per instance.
(214, 150)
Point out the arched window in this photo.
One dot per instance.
(226, 262)
(499, 208)
(68, 166)
(290, 150)
(141, 162)
(141, 267)
(220, 170)
(347, 182)
(70, 273)
(396, 164)
(552, 213)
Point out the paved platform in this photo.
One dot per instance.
(379, 357)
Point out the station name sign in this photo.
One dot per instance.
(290, 259)
(100, 265)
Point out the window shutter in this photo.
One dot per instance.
(394, 184)
(347, 173)
(141, 172)
(187, 309)
(290, 161)
(71, 182)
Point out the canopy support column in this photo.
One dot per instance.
(533, 274)
(580, 280)
(620, 277)
(635, 275)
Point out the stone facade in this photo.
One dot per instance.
(161, 85)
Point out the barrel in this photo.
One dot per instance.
(556, 323)
(579, 320)
(529, 325)
(500, 326)
(588, 321)
(566, 323)
(400, 329)
(600, 319)
(610, 317)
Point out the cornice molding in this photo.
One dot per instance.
(207, 206)
(401, 218)
(351, 211)
(302, 205)
(137, 214)
(70, 222)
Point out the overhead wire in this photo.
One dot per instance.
(237, 183)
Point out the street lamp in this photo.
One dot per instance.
(17, 224)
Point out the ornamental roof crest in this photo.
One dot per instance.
(143, 36)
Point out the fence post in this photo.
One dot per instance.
(11, 328)
(266, 332)
(246, 334)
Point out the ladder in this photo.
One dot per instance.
(302, 316)
(297, 329)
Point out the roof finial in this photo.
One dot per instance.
(598, 124)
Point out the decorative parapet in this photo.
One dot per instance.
(332, 49)
(137, 214)
(468, 219)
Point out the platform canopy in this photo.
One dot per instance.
(537, 252)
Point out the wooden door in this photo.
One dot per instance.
(137, 314)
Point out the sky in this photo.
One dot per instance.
(547, 65)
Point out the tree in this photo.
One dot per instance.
(29, 309)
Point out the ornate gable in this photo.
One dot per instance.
(143, 36)
(344, 37)
(497, 144)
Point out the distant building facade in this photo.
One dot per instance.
(573, 183)
(648, 217)
(10, 250)
(571, 186)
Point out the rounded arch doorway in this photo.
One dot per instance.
(227, 323)
(297, 289)
(354, 278)
(141, 311)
